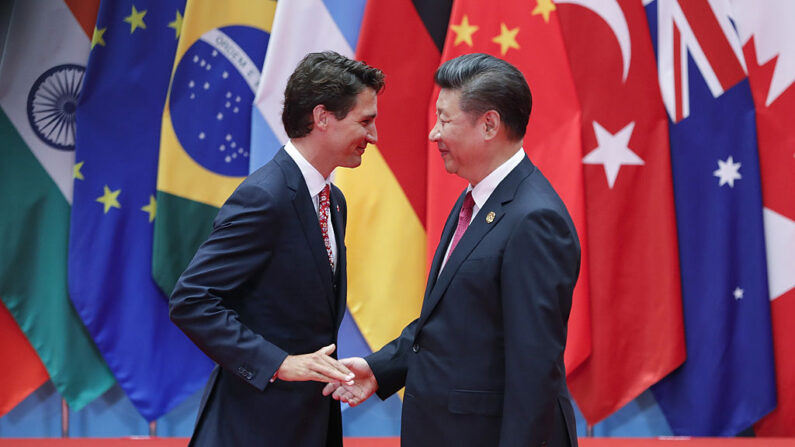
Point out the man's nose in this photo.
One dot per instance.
(372, 135)
(435, 133)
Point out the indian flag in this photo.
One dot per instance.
(46, 48)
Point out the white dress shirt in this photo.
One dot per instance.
(482, 191)
(315, 183)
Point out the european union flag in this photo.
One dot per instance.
(727, 382)
(118, 139)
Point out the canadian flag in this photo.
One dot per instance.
(768, 38)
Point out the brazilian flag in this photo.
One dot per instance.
(204, 147)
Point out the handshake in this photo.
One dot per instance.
(348, 380)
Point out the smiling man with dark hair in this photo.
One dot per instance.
(265, 294)
(483, 364)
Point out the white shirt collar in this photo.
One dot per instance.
(482, 191)
(313, 178)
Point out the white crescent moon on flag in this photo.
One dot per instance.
(612, 14)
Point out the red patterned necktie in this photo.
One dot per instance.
(464, 216)
(323, 213)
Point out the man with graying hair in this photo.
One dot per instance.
(265, 294)
(483, 363)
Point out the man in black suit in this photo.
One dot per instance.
(483, 364)
(265, 294)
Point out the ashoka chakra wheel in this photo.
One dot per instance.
(52, 103)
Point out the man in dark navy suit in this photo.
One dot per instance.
(265, 294)
(483, 363)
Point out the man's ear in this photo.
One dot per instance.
(491, 124)
(320, 116)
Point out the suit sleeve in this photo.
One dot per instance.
(240, 244)
(390, 363)
(539, 270)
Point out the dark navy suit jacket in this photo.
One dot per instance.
(258, 289)
(483, 364)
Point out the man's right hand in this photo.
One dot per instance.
(317, 366)
(361, 388)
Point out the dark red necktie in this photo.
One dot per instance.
(323, 213)
(464, 216)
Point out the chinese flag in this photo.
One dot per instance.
(526, 34)
(636, 300)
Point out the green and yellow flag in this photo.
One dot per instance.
(204, 147)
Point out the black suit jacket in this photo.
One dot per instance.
(258, 289)
(483, 364)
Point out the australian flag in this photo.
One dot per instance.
(110, 249)
(727, 382)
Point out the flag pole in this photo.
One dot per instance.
(64, 419)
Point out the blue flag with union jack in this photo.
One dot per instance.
(727, 382)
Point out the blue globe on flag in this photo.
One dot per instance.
(211, 96)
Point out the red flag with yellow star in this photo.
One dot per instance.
(636, 299)
(526, 34)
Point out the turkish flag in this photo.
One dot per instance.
(636, 300)
(528, 36)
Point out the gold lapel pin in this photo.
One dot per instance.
(490, 217)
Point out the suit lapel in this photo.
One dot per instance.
(338, 222)
(305, 209)
(497, 203)
(441, 249)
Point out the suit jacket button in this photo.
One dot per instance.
(415, 348)
(246, 374)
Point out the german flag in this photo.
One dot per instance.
(386, 235)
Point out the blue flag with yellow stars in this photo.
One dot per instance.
(110, 249)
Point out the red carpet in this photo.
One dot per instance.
(395, 442)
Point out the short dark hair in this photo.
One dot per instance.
(489, 83)
(326, 78)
